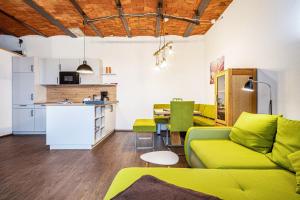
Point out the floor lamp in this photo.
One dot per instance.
(250, 88)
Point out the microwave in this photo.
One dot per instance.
(68, 78)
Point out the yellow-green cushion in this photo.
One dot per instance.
(161, 106)
(209, 111)
(294, 159)
(144, 125)
(286, 142)
(225, 154)
(255, 131)
(203, 121)
(225, 184)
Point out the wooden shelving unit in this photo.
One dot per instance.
(230, 99)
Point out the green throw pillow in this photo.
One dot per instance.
(294, 159)
(287, 141)
(255, 131)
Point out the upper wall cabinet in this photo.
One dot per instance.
(49, 71)
(68, 64)
(95, 78)
(23, 64)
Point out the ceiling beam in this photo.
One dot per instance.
(199, 12)
(86, 18)
(7, 32)
(122, 17)
(159, 12)
(23, 23)
(51, 19)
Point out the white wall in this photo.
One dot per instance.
(289, 93)
(5, 92)
(264, 34)
(140, 86)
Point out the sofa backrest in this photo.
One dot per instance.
(161, 106)
(207, 110)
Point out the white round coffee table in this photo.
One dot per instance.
(160, 158)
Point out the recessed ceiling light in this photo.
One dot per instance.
(77, 31)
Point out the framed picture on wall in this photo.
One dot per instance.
(215, 67)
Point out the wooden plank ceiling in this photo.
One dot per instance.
(56, 17)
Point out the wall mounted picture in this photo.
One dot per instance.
(216, 67)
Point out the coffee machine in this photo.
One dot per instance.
(104, 96)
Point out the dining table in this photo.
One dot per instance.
(167, 112)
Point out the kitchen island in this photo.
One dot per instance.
(78, 125)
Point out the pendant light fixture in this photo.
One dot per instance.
(84, 68)
(165, 49)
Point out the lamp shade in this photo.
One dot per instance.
(84, 68)
(249, 86)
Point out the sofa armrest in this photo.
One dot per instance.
(205, 133)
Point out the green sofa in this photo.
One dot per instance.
(210, 147)
(229, 165)
(226, 184)
(206, 118)
(207, 115)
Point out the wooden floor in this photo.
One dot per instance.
(28, 170)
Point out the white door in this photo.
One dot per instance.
(68, 64)
(23, 119)
(49, 71)
(95, 78)
(40, 119)
(23, 88)
(23, 64)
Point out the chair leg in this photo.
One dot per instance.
(153, 142)
(167, 138)
(135, 141)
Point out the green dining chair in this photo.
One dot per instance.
(181, 118)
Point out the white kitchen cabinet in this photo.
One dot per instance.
(40, 119)
(23, 64)
(68, 64)
(49, 71)
(23, 120)
(95, 78)
(23, 88)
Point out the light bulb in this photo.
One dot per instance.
(163, 64)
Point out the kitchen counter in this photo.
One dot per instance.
(79, 125)
(75, 104)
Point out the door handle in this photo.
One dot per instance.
(31, 113)
(23, 105)
(57, 80)
(31, 68)
(31, 96)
